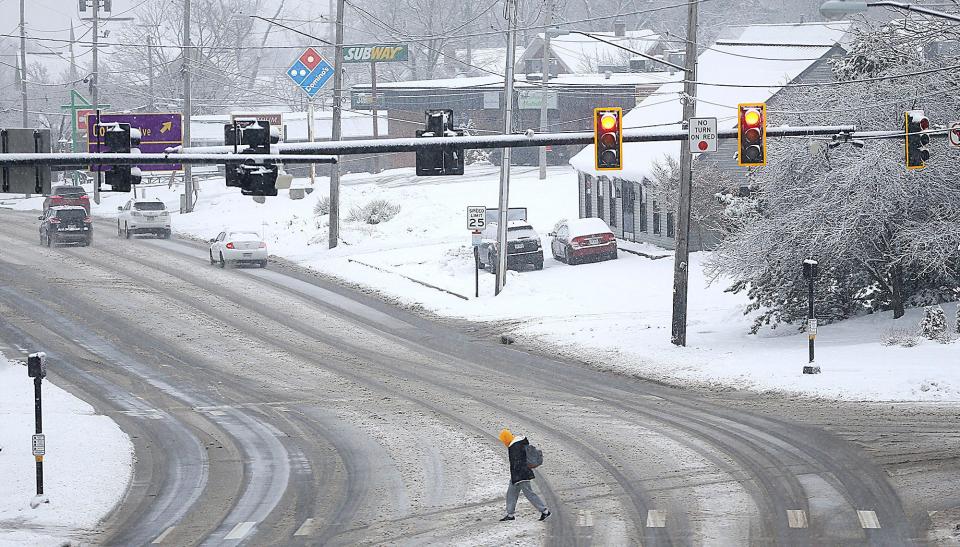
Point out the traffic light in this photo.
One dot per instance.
(253, 177)
(608, 138)
(915, 141)
(439, 160)
(752, 134)
(118, 138)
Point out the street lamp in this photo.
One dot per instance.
(838, 9)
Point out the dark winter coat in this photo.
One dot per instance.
(518, 461)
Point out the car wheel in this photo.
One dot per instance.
(50, 241)
(126, 231)
(166, 234)
(571, 260)
(119, 230)
(212, 261)
(223, 263)
(263, 263)
(88, 242)
(41, 239)
(538, 265)
(613, 255)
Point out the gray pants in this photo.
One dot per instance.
(513, 494)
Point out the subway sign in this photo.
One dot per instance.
(375, 53)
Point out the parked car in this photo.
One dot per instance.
(238, 247)
(143, 216)
(523, 246)
(67, 195)
(66, 224)
(582, 239)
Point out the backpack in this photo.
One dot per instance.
(534, 456)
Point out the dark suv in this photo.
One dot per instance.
(523, 247)
(70, 224)
(67, 195)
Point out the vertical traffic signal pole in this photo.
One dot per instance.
(38, 417)
(187, 53)
(37, 369)
(337, 129)
(504, 201)
(681, 266)
(544, 78)
(23, 67)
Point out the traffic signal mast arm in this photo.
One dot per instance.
(321, 152)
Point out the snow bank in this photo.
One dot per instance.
(86, 470)
(612, 314)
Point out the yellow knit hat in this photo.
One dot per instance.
(506, 437)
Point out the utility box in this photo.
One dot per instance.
(25, 179)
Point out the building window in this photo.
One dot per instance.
(670, 227)
(656, 217)
(643, 216)
(587, 196)
(600, 184)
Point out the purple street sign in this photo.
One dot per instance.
(157, 133)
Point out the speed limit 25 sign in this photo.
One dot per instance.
(476, 218)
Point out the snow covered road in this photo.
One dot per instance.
(278, 408)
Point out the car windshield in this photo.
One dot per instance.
(71, 214)
(149, 206)
(243, 236)
(70, 191)
(521, 232)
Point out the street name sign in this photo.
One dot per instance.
(158, 131)
(476, 218)
(703, 135)
(954, 134)
(310, 72)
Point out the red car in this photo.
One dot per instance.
(583, 239)
(67, 195)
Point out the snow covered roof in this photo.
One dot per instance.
(496, 82)
(577, 53)
(209, 128)
(820, 34)
(723, 63)
(493, 59)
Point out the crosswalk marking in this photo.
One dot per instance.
(305, 529)
(240, 530)
(163, 536)
(656, 519)
(868, 519)
(797, 518)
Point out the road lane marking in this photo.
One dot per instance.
(656, 519)
(240, 530)
(585, 518)
(305, 529)
(868, 519)
(163, 536)
(797, 518)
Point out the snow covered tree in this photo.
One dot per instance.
(934, 323)
(883, 236)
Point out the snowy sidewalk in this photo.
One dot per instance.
(87, 466)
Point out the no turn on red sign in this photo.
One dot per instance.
(703, 135)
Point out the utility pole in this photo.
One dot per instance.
(73, 59)
(545, 75)
(681, 265)
(153, 103)
(504, 202)
(337, 93)
(187, 106)
(23, 66)
(95, 88)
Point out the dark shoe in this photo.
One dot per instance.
(545, 514)
(508, 517)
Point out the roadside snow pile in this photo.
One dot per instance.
(614, 314)
(86, 470)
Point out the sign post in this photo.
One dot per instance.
(37, 369)
(703, 135)
(476, 222)
(810, 272)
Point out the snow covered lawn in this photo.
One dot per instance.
(86, 470)
(612, 314)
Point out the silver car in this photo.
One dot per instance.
(238, 247)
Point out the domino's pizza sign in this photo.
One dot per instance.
(310, 72)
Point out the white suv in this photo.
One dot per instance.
(143, 216)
